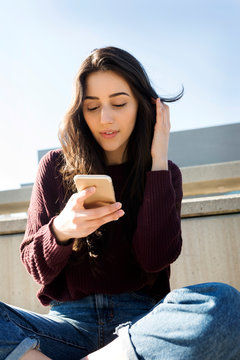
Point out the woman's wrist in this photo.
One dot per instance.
(161, 164)
(59, 235)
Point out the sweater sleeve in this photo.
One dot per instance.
(157, 240)
(43, 257)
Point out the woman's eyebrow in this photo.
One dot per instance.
(118, 93)
(91, 97)
(111, 96)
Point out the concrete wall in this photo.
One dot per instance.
(203, 146)
(211, 250)
(210, 229)
(17, 286)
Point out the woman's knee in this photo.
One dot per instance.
(219, 293)
(202, 319)
(214, 306)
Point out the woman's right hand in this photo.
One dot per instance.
(77, 222)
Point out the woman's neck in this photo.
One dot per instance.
(114, 159)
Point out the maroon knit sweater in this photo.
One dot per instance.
(142, 262)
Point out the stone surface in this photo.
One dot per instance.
(211, 172)
(211, 205)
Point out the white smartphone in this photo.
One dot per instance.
(104, 193)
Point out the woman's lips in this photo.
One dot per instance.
(109, 134)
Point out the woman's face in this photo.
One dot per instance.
(110, 111)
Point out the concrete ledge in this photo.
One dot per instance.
(204, 206)
(12, 226)
(211, 179)
(14, 201)
(212, 205)
(211, 187)
(197, 180)
(210, 172)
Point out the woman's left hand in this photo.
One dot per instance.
(159, 149)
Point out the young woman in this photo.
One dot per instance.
(105, 268)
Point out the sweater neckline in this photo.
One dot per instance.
(118, 168)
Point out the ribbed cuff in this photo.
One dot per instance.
(159, 179)
(53, 248)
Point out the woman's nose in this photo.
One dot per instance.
(106, 116)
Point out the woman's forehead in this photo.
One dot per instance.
(107, 83)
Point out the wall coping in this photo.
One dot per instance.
(211, 178)
(211, 205)
(210, 172)
(16, 200)
(204, 206)
(207, 179)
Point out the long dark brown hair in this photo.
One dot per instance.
(82, 154)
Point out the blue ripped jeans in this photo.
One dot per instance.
(197, 322)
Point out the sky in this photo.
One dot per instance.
(194, 43)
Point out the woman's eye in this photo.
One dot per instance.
(93, 108)
(119, 105)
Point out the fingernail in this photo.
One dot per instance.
(91, 189)
(120, 213)
(117, 205)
